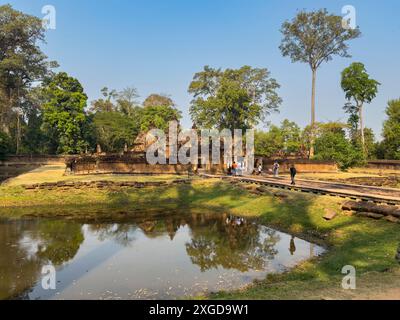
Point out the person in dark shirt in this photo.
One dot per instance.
(293, 173)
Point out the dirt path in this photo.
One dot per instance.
(392, 294)
(378, 194)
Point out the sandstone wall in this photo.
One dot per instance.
(128, 168)
(384, 164)
(302, 165)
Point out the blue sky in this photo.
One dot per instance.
(157, 46)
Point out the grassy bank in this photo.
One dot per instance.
(370, 246)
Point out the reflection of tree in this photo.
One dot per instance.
(25, 246)
(215, 241)
(121, 233)
(18, 271)
(241, 247)
(59, 241)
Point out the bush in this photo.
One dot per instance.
(334, 146)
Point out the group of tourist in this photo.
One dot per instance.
(236, 169)
(275, 171)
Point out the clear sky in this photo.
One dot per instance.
(157, 46)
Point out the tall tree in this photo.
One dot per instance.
(22, 63)
(360, 89)
(314, 38)
(233, 98)
(64, 113)
(391, 131)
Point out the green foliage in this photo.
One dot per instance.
(359, 89)
(268, 143)
(333, 145)
(113, 130)
(63, 113)
(232, 99)
(117, 119)
(291, 134)
(391, 131)
(35, 140)
(286, 138)
(21, 61)
(315, 37)
(357, 85)
(158, 117)
(5, 144)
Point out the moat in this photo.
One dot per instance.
(181, 255)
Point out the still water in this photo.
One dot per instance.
(148, 258)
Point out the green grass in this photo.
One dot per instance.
(368, 245)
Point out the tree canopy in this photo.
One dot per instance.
(114, 130)
(64, 113)
(315, 37)
(233, 98)
(359, 89)
(391, 131)
(156, 100)
(331, 144)
(158, 117)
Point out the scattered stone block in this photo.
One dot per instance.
(371, 207)
(280, 195)
(330, 214)
(392, 219)
(350, 213)
(375, 216)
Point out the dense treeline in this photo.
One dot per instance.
(47, 112)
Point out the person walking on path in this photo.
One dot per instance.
(293, 173)
(260, 169)
(275, 169)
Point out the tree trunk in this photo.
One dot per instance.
(362, 129)
(312, 138)
(18, 135)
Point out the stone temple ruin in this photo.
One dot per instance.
(133, 161)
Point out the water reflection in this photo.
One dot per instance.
(235, 244)
(25, 246)
(151, 257)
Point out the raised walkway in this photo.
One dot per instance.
(388, 196)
